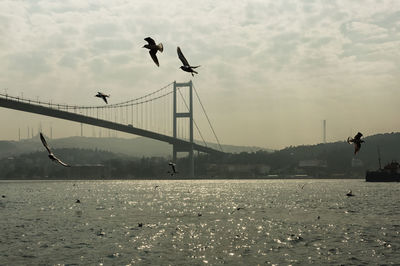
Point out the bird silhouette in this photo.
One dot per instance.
(103, 96)
(186, 67)
(51, 154)
(356, 141)
(173, 169)
(237, 209)
(153, 47)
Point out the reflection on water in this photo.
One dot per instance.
(199, 222)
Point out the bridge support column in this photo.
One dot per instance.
(176, 116)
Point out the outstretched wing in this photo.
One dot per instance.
(45, 143)
(349, 140)
(104, 98)
(154, 57)
(358, 136)
(173, 168)
(182, 57)
(61, 162)
(150, 41)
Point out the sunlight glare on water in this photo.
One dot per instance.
(290, 222)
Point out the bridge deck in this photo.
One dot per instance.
(42, 110)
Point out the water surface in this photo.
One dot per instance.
(280, 222)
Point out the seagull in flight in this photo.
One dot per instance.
(103, 96)
(153, 47)
(237, 209)
(173, 170)
(186, 67)
(51, 154)
(356, 141)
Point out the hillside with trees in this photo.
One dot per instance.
(331, 160)
(136, 147)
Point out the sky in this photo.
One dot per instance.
(271, 71)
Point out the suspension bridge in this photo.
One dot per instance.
(165, 115)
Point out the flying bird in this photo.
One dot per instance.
(186, 67)
(173, 169)
(356, 141)
(237, 209)
(153, 47)
(51, 154)
(103, 96)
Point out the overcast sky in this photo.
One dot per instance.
(271, 71)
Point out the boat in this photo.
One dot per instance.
(389, 173)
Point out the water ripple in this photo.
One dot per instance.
(199, 222)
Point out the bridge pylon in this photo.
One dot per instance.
(185, 115)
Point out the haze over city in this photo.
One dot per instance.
(270, 72)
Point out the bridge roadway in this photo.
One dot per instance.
(42, 110)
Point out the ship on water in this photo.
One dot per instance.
(389, 173)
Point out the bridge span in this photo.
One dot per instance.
(62, 112)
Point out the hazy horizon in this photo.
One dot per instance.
(270, 72)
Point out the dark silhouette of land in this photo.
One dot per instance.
(136, 147)
(331, 160)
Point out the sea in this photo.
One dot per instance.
(199, 222)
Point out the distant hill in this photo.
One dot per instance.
(388, 144)
(330, 160)
(136, 147)
(144, 158)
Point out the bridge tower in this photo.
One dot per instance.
(184, 115)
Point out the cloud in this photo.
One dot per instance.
(364, 32)
(30, 64)
(110, 45)
(261, 59)
(102, 30)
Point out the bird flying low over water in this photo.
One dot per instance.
(173, 169)
(103, 96)
(51, 154)
(153, 47)
(356, 141)
(186, 67)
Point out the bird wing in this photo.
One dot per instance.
(349, 140)
(172, 166)
(61, 162)
(150, 41)
(153, 55)
(45, 143)
(182, 57)
(358, 136)
(104, 98)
